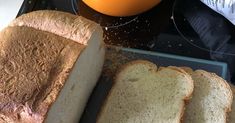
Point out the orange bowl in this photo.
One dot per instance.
(121, 7)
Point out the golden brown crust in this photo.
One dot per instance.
(187, 98)
(187, 76)
(187, 69)
(178, 69)
(34, 67)
(64, 24)
(232, 87)
(230, 113)
(154, 68)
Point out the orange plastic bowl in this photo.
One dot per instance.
(121, 7)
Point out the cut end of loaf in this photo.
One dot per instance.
(70, 104)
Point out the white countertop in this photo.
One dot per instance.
(8, 11)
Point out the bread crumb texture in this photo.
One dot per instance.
(211, 100)
(141, 94)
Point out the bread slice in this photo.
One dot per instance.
(143, 94)
(47, 77)
(211, 100)
(231, 118)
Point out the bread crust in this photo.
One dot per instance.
(73, 27)
(233, 90)
(229, 108)
(187, 69)
(186, 100)
(72, 33)
(40, 74)
(154, 69)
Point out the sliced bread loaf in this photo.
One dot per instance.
(143, 94)
(47, 73)
(211, 100)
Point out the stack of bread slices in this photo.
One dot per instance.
(144, 93)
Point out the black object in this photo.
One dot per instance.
(152, 30)
(135, 31)
(27, 6)
(214, 31)
(32, 5)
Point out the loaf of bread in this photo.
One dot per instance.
(211, 100)
(49, 63)
(144, 94)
